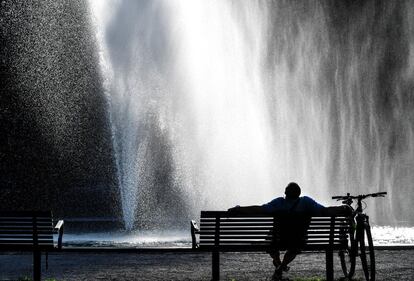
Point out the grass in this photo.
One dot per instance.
(309, 279)
(26, 278)
(323, 279)
(299, 279)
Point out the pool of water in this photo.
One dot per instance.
(382, 235)
(392, 236)
(129, 239)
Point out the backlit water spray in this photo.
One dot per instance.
(218, 103)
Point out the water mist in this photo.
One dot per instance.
(218, 103)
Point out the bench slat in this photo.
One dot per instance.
(325, 231)
(39, 233)
(250, 235)
(263, 233)
(246, 228)
(49, 225)
(270, 246)
(22, 221)
(28, 246)
(26, 224)
(243, 222)
(335, 236)
(239, 232)
(267, 247)
(12, 241)
(267, 224)
(27, 242)
(266, 237)
(26, 213)
(2, 216)
(237, 248)
(311, 228)
(3, 221)
(249, 242)
(6, 217)
(223, 214)
(14, 237)
(269, 219)
(340, 227)
(327, 225)
(266, 232)
(5, 237)
(247, 220)
(26, 231)
(3, 225)
(263, 237)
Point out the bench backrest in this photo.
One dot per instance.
(232, 232)
(26, 230)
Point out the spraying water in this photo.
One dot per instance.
(218, 103)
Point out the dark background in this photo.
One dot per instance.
(55, 148)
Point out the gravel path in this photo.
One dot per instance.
(391, 265)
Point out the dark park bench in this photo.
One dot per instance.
(26, 231)
(222, 231)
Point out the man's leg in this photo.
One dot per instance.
(289, 256)
(276, 258)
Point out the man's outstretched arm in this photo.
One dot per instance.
(247, 210)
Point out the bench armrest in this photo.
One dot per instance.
(194, 230)
(59, 230)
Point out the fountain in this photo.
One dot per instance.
(218, 103)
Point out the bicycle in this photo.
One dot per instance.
(360, 238)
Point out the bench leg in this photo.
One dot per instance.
(216, 266)
(37, 264)
(329, 265)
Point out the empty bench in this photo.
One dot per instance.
(30, 232)
(222, 231)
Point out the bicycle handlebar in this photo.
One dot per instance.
(362, 196)
(339, 197)
(378, 194)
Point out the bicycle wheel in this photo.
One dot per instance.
(367, 254)
(348, 256)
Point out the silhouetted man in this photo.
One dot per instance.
(292, 230)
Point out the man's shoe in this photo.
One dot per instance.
(277, 275)
(285, 268)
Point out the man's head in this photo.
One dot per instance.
(292, 191)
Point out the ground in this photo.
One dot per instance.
(391, 265)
